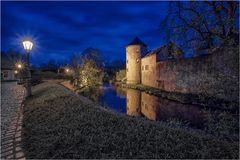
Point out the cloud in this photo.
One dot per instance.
(65, 27)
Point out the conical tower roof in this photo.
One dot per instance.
(137, 41)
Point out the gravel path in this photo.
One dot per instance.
(12, 96)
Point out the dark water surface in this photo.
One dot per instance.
(137, 103)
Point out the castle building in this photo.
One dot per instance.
(141, 65)
(165, 68)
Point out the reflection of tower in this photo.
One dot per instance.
(133, 102)
(149, 106)
(134, 52)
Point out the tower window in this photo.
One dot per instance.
(146, 67)
(127, 69)
(127, 61)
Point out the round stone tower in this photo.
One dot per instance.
(134, 52)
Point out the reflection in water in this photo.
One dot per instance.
(155, 108)
(137, 103)
(113, 97)
(133, 102)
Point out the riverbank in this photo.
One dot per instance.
(61, 124)
(202, 100)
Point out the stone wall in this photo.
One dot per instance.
(148, 68)
(214, 75)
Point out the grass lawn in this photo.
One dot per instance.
(60, 124)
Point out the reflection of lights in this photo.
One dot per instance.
(15, 71)
(27, 44)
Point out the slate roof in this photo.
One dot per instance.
(167, 51)
(137, 41)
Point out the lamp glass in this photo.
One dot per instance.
(27, 45)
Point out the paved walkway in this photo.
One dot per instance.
(12, 96)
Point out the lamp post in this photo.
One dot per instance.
(27, 44)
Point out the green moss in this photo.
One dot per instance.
(61, 124)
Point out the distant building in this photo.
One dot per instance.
(141, 66)
(7, 69)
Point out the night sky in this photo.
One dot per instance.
(61, 28)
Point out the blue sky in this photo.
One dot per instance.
(61, 28)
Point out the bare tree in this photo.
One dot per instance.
(74, 60)
(75, 64)
(14, 56)
(202, 25)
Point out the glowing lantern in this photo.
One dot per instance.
(27, 44)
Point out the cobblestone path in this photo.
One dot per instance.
(12, 96)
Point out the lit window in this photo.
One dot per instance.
(137, 60)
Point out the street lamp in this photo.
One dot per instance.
(27, 44)
(19, 66)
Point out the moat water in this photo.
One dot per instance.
(137, 103)
(140, 104)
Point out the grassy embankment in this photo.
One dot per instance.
(60, 124)
(202, 100)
